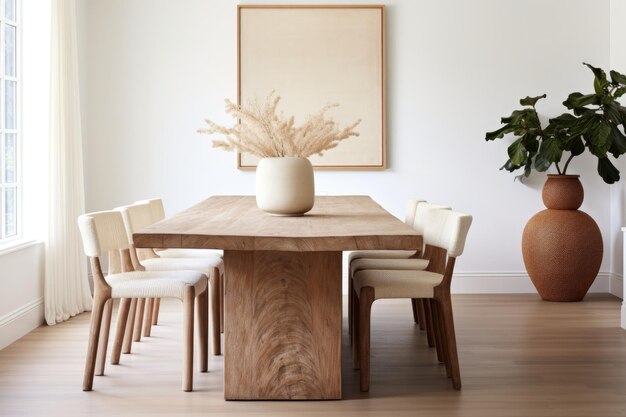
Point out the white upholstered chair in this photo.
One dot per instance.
(104, 232)
(444, 236)
(422, 313)
(158, 214)
(138, 216)
(409, 217)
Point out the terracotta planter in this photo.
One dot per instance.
(285, 186)
(562, 246)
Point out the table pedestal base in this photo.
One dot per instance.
(282, 325)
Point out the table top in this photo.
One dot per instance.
(336, 223)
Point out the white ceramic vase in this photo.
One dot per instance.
(285, 186)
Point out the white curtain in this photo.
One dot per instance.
(66, 284)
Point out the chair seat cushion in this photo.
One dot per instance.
(380, 254)
(189, 253)
(155, 284)
(402, 264)
(203, 265)
(397, 283)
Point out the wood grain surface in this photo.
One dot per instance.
(283, 325)
(336, 223)
(520, 357)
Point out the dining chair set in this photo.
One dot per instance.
(140, 278)
(423, 276)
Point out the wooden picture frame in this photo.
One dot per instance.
(312, 55)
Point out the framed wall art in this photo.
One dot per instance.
(312, 56)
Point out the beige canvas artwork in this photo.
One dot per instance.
(312, 56)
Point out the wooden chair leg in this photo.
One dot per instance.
(421, 313)
(366, 299)
(216, 342)
(92, 346)
(441, 326)
(104, 338)
(356, 307)
(428, 318)
(452, 354)
(202, 317)
(139, 319)
(147, 323)
(415, 310)
(130, 325)
(437, 330)
(188, 304)
(155, 311)
(120, 330)
(221, 303)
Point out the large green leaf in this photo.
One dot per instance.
(599, 138)
(601, 87)
(581, 111)
(515, 117)
(607, 171)
(531, 101)
(566, 120)
(582, 124)
(499, 133)
(577, 100)
(619, 92)
(574, 145)
(618, 142)
(530, 143)
(617, 78)
(517, 153)
(597, 72)
(612, 112)
(551, 150)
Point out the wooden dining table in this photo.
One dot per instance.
(283, 286)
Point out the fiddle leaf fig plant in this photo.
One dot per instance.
(595, 121)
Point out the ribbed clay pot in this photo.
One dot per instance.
(285, 186)
(562, 246)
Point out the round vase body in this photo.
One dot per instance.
(562, 246)
(285, 186)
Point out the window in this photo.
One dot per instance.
(10, 191)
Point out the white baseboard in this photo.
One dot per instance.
(509, 283)
(624, 315)
(617, 285)
(21, 321)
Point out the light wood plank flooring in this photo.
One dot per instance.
(519, 357)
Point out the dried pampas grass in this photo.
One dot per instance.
(264, 133)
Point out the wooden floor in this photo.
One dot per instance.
(519, 357)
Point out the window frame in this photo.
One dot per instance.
(17, 184)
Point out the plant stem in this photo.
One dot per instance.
(567, 163)
(557, 168)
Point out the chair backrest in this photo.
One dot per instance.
(447, 229)
(156, 205)
(136, 216)
(422, 212)
(411, 206)
(102, 231)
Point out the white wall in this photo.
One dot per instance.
(151, 70)
(21, 292)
